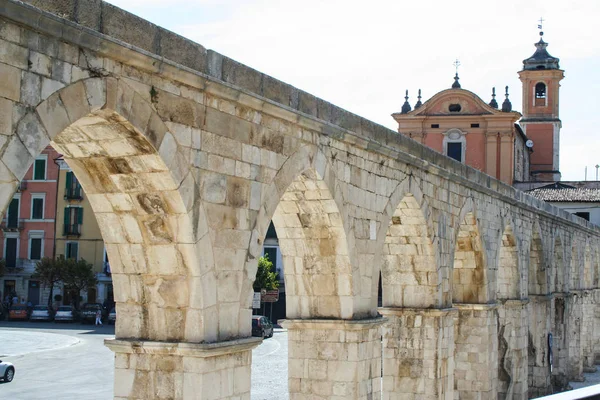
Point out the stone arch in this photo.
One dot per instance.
(469, 273)
(558, 265)
(508, 276)
(134, 173)
(305, 203)
(538, 279)
(410, 276)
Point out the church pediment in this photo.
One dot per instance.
(454, 102)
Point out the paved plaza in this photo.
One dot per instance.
(70, 361)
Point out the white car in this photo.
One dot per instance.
(7, 371)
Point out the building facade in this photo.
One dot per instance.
(459, 124)
(28, 227)
(78, 235)
(503, 143)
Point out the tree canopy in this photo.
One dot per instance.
(47, 271)
(77, 275)
(265, 277)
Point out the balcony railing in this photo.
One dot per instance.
(74, 193)
(72, 230)
(12, 225)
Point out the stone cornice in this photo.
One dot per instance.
(402, 311)
(343, 324)
(182, 348)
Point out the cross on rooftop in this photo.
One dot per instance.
(456, 65)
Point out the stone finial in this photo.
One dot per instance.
(456, 85)
(506, 105)
(418, 104)
(494, 103)
(406, 106)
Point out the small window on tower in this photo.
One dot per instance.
(540, 94)
(540, 91)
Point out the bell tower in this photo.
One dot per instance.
(541, 76)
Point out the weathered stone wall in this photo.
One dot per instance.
(187, 156)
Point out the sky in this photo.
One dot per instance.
(362, 56)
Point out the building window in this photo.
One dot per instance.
(72, 250)
(540, 91)
(454, 144)
(73, 220)
(584, 215)
(435, 125)
(11, 249)
(454, 108)
(39, 169)
(454, 150)
(36, 242)
(37, 206)
(12, 217)
(73, 188)
(540, 94)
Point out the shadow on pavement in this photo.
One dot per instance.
(89, 329)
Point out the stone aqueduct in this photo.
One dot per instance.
(186, 156)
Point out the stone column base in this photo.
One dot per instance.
(540, 326)
(476, 353)
(163, 370)
(334, 359)
(513, 333)
(418, 351)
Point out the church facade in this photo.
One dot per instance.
(503, 143)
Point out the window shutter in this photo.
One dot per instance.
(69, 179)
(67, 219)
(80, 215)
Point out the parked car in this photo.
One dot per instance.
(65, 313)
(261, 326)
(41, 313)
(7, 371)
(88, 312)
(17, 311)
(112, 316)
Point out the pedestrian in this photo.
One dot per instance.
(98, 317)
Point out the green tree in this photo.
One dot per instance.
(48, 272)
(265, 277)
(78, 275)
